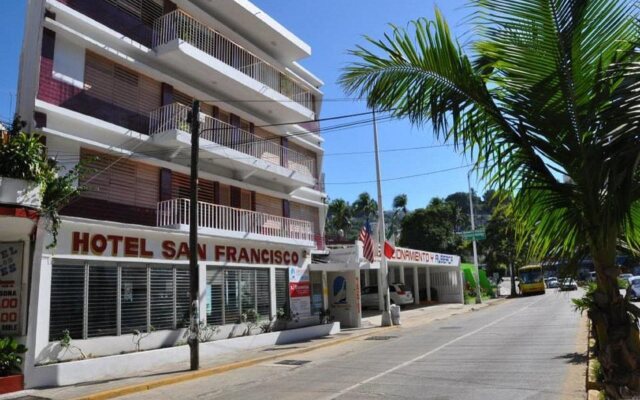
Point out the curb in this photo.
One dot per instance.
(187, 376)
(191, 375)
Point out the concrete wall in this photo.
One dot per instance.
(125, 365)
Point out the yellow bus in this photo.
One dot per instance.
(531, 279)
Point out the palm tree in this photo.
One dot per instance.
(399, 205)
(548, 88)
(339, 215)
(365, 206)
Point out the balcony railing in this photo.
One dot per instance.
(174, 116)
(176, 212)
(179, 25)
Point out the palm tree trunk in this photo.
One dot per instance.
(616, 330)
(513, 281)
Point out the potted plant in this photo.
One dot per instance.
(29, 179)
(22, 168)
(11, 378)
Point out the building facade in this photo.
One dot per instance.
(109, 84)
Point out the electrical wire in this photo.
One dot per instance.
(401, 177)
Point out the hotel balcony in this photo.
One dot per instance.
(233, 147)
(214, 219)
(217, 62)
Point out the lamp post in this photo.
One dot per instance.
(475, 249)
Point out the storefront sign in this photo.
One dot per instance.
(10, 280)
(409, 256)
(130, 246)
(300, 291)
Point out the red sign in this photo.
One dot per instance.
(299, 289)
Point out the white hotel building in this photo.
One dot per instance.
(110, 82)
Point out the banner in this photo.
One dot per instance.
(299, 291)
(10, 282)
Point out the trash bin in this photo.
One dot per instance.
(395, 314)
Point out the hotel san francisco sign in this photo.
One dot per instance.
(10, 281)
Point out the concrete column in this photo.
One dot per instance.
(367, 278)
(428, 283)
(461, 286)
(202, 296)
(401, 277)
(416, 286)
(272, 289)
(39, 302)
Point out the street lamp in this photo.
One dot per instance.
(475, 249)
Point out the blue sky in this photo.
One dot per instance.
(331, 27)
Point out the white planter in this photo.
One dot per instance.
(20, 192)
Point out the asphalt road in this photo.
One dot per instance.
(525, 348)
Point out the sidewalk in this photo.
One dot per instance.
(173, 373)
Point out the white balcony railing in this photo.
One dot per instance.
(179, 25)
(174, 116)
(176, 212)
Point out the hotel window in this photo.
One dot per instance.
(112, 299)
(282, 289)
(233, 292)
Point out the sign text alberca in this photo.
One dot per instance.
(131, 246)
(10, 281)
(423, 257)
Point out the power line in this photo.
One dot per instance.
(401, 177)
(335, 128)
(143, 154)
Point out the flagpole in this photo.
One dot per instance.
(383, 275)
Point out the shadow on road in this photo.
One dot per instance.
(573, 358)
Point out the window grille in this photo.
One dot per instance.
(182, 297)
(282, 289)
(67, 301)
(162, 295)
(103, 292)
(133, 299)
(233, 292)
(96, 300)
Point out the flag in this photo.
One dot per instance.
(389, 250)
(365, 238)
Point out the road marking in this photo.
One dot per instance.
(427, 354)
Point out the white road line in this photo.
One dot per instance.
(420, 357)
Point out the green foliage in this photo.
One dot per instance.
(364, 206)
(67, 345)
(432, 228)
(587, 301)
(23, 157)
(339, 216)
(10, 356)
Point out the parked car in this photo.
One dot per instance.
(553, 283)
(398, 294)
(549, 279)
(568, 284)
(634, 288)
(592, 276)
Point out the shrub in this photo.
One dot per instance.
(10, 356)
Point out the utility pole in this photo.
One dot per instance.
(194, 273)
(383, 276)
(475, 249)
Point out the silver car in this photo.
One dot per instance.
(398, 294)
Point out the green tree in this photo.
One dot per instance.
(365, 206)
(500, 245)
(547, 88)
(339, 216)
(431, 228)
(399, 212)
